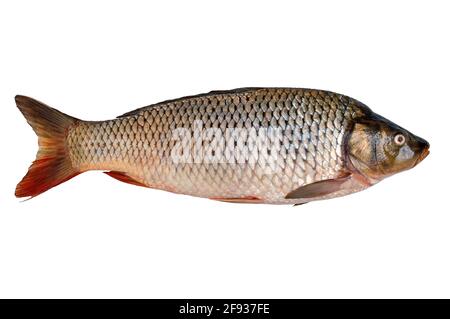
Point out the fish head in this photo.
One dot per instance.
(378, 148)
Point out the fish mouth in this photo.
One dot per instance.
(423, 155)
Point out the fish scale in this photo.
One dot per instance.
(312, 126)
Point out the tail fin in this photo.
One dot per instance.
(52, 165)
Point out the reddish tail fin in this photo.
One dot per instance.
(52, 165)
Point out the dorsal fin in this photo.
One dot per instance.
(216, 92)
(233, 91)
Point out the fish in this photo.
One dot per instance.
(247, 145)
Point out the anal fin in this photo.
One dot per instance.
(123, 177)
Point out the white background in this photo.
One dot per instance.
(96, 237)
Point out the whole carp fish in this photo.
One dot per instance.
(252, 145)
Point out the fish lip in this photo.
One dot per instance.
(423, 155)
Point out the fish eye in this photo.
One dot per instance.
(399, 139)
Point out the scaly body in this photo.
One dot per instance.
(245, 145)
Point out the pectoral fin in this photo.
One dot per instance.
(319, 189)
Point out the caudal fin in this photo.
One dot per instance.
(52, 165)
